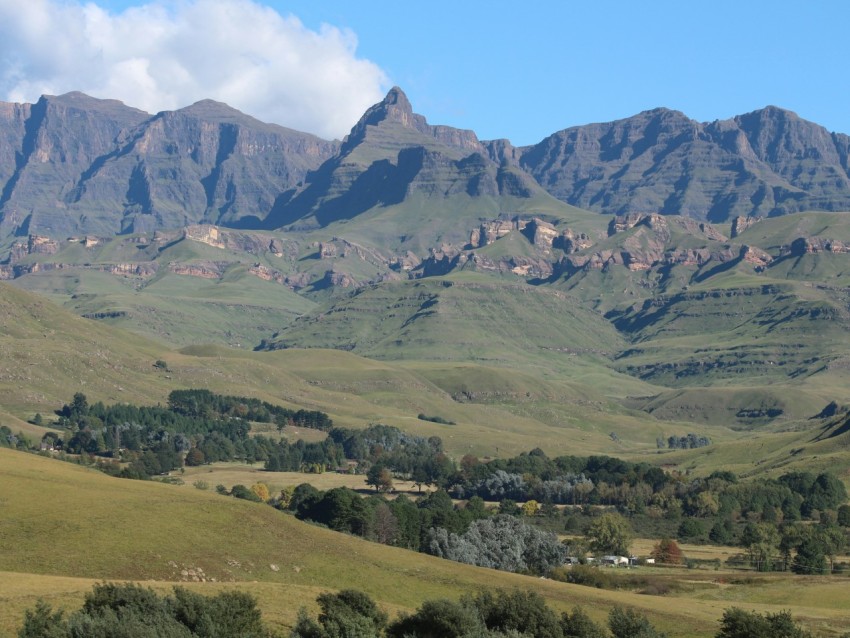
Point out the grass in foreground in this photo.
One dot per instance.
(61, 520)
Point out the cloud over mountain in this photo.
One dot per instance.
(165, 55)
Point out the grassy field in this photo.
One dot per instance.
(161, 534)
(688, 348)
(230, 474)
(48, 354)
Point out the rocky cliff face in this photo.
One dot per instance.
(73, 164)
(393, 155)
(766, 163)
(55, 142)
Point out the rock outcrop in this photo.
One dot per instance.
(812, 245)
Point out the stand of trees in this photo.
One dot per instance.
(130, 610)
(199, 427)
(501, 614)
(195, 428)
(14, 441)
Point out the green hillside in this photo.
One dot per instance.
(96, 527)
(456, 319)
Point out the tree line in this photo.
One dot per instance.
(128, 609)
(199, 427)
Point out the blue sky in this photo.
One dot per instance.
(505, 69)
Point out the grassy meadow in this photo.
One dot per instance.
(93, 527)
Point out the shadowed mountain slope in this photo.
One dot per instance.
(73, 164)
(396, 169)
(88, 166)
(766, 163)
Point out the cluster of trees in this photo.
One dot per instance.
(737, 623)
(421, 459)
(199, 427)
(763, 516)
(374, 449)
(468, 533)
(687, 442)
(568, 480)
(195, 428)
(502, 542)
(464, 533)
(14, 441)
(710, 508)
(401, 522)
(517, 614)
(131, 610)
(203, 403)
(802, 548)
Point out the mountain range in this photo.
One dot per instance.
(615, 290)
(73, 164)
(654, 266)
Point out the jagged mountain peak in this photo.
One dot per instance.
(395, 96)
(394, 109)
(395, 106)
(779, 136)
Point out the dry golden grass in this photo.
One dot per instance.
(230, 474)
(61, 520)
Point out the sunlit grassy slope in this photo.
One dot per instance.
(62, 520)
(49, 354)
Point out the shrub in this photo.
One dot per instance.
(240, 491)
(131, 610)
(628, 623)
(579, 625)
(737, 623)
(437, 619)
(585, 575)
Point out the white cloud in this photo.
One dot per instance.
(166, 55)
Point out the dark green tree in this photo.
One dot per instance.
(380, 477)
(628, 623)
(811, 556)
(610, 534)
(43, 622)
(579, 625)
(521, 611)
(437, 619)
(844, 515)
(737, 623)
(346, 614)
(240, 491)
(131, 611)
